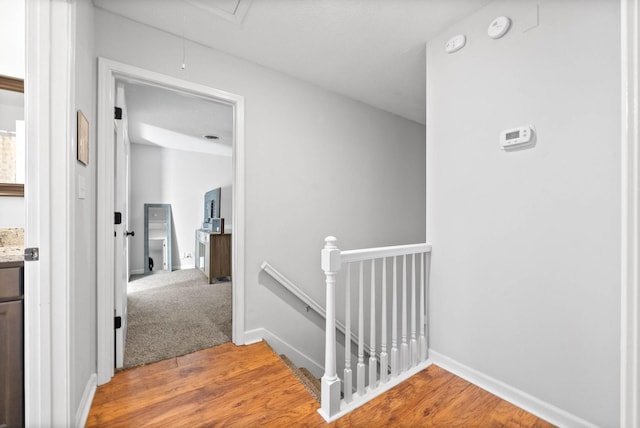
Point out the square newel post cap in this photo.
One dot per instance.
(330, 256)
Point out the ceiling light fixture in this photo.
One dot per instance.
(211, 137)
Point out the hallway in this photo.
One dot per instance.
(249, 386)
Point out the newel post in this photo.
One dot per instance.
(330, 396)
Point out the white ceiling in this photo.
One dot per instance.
(369, 50)
(179, 121)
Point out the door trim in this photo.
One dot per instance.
(37, 340)
(630, 242)
(108, 71)
(49, 116)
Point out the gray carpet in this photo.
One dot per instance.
(173, 314)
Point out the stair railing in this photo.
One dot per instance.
(294, 289)
(307, 300)
(408, 317)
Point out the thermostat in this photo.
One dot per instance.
(516, 137)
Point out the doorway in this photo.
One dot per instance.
(177, 148)
(109, 73)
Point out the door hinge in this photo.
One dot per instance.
(118, 113)
(117, 322)
(117, 218)
(31, 254)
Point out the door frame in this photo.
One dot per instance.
(630, 242)
(108, 72)
(49, 120)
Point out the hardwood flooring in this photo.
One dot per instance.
(249, 386)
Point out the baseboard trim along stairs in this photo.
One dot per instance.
(282, 347)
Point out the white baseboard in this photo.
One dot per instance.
(85, 402)
(178, 267)
(531, 404)
(191, 265)
(282, 347)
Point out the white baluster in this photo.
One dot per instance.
(427, 269)
(394, 322)
(373, 362)
(384, 358)
(348, 375)
(414, 340)
(361, 366)
(423, 338)
(330, 395)
(404, 346)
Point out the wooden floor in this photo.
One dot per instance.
(249, 386)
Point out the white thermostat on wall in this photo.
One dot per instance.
(517, 137)
(499, 27)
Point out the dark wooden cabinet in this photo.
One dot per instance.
(220, 255)
(11, 347)
(213, 254)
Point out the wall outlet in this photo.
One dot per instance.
(187, 255)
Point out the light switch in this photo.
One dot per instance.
(82, 187)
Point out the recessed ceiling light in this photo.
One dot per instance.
(211, 137)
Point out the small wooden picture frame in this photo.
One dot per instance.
(83, 138)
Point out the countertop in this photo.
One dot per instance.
(11, 257)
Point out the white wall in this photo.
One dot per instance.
(525, 271)
(317, 164)
(11, 109)
(12, 208)
(82, 295)
(12, 37)
(179, 178)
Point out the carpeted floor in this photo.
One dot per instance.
(176, 313)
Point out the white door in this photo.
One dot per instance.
(122, 233)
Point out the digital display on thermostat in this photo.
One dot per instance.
(511, 138)
(514, 134)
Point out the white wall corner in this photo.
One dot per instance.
(281, 347)
(85, 403)
(630, 232)
(531, 404)
(254, 336)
